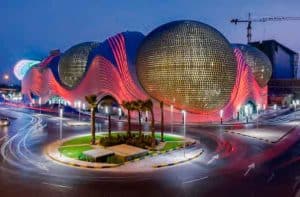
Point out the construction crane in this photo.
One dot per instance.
(265, 19)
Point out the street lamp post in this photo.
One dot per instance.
(147, 115)
(221, 115)
(120, 113)
(6, 78)
(294, 105)
(184, 129)
(61, 114)
(275, 106)
(107, 112)
(172, 108)
(79, 107)
(40, 103)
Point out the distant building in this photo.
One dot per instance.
(284, 60)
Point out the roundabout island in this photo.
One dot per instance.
(122, 151)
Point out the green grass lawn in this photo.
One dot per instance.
(169, 138)
(172, 145)
(74, 151)
(80, 140)
(87, 139)
(73, 148)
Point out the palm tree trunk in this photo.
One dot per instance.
(129, 124)
(109, 126)
(152, 127)
(140, 125)
(93, 126)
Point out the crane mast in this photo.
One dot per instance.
(249, 22)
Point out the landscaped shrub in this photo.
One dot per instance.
(143, 142)
(83, 157)
(114, 159)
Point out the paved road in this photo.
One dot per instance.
(226, 168)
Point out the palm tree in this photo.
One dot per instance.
(108, 101)
(162, 126)
(138, 106)
(149, 106)
(129, 106)
(92, 101)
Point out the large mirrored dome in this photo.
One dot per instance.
(73, 63)
(188, 64)
(259, 63)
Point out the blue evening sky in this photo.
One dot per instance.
(30, 28)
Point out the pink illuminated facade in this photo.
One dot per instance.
(113, 73)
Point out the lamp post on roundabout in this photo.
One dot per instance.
(171, 110)
(61, 114)
(221, 115)
(184, 129)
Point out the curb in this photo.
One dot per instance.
(262, 139)
(152, 154)
(156, 153)
(81, 166)
(178, 162)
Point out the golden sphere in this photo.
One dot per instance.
(73, 63)
(259, 63)
(188, 64)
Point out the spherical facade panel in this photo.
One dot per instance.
(73, 64)
(188, 64)
(259, 63)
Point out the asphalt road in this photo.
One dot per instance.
(243, 167)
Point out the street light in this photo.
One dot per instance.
(184, 129)
(294, 104)
(275, 106)
(6, 78)
(40, 103)
(61, 114)
(221, 115)
(172, 108)
(78, 105)
(147, 115)
(107, 111)
(120, 112)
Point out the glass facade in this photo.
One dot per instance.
(188, 64)
(72, 65)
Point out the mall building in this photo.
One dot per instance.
(186, 64)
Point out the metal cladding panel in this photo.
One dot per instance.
(73, 64)
(188, 64)
(258, 62)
